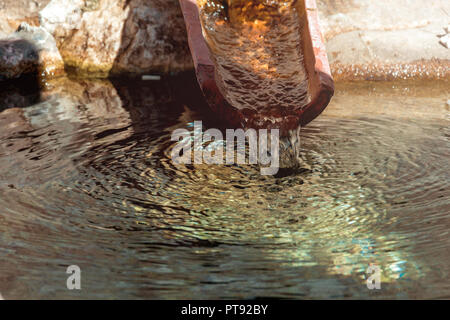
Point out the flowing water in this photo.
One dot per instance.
(86, 179)
(258, 66)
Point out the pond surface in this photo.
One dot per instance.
(86, 179)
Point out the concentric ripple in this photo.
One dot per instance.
(86, 178)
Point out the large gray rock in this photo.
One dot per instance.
(111, 37)
(17, 57)
(30, 50)
(14, 12)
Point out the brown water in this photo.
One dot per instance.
(257, 51)
(86, 178)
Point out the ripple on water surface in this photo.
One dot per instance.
(86, 178)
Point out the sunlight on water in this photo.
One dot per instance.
(86, 178)
(258, 53)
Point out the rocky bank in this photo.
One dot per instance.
(96, 38)
(366, 39)
(385, 39)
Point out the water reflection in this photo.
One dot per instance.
(87, 179)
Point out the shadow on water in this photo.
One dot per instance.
(78, 148)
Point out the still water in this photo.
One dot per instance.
(86, 179)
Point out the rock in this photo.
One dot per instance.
(113, 37)
(14, 12)
(80, 101)
(50, 60)
(30, 50)
(384, 39)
